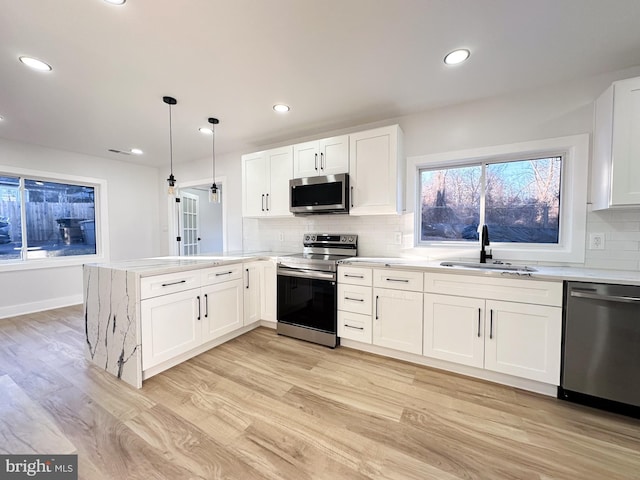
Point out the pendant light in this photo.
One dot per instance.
(172, 180)
(214, 192)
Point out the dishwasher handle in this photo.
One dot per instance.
(606, 298)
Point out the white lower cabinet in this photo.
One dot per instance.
(355, 303)
(524, 340)
(454, 329)
(514, 338)
(268, 290)
(223, 309)
(354, 326)
(397, 320)
(170, 326)
(252, 303)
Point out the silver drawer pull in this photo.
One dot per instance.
(224, 273)
(353, 276)
(354, 299)
(174, 283)
(351, 326)
(403, 280)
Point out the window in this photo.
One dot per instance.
(43, 218)
(532, 195)
(519, 201)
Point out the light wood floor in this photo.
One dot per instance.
(264, 406)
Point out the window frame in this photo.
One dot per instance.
(573, 192)
(101, 216)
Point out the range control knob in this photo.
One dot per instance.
(350, 239)
(313, 238)
(306, 238)
(343, 239)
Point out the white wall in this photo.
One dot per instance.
(555, 111)
(132, 216)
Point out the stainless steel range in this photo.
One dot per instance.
(307, 288)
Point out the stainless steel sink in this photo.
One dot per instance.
(507, 267)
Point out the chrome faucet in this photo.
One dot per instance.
(484, 241)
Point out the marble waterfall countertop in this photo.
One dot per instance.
(145, 267)
(550, 273)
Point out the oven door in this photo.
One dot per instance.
(308, 298)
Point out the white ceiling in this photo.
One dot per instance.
(338, 63)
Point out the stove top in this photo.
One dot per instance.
(322, 252)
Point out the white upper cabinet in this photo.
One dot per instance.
(376, 171)
(265, 182)
(616, 156)
(329, 156)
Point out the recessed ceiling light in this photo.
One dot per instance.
(115, 2)
(281, 108)
(35, 64)
(457, 56)
(1, 118)
(136, 151)
(205, 130)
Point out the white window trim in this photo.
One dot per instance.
(101, 221)
(571, 246)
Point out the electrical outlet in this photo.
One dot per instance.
(596, 241)
(397, 238)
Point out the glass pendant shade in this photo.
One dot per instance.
(214, 194)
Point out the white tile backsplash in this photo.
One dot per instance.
(377, 235)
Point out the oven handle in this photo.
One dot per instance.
(302, 273)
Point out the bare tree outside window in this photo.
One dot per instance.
(521, 201)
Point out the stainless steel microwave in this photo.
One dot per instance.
(324, 194)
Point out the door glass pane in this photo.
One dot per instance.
(523, 200)
(10, 219)
(60, 219)
(450, 203)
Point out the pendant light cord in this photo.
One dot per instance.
(213, 146)
(170, 142)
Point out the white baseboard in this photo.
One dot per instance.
(39, 306)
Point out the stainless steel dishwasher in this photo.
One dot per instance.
(601, 346)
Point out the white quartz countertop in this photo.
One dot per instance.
(146, 267)
(549, 273)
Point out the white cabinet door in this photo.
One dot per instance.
(454, 329)
(334, 155)
(626, 143)
(397, 320)
(375, 174)
(523, 340)
(280, 162)
(306, 159)
(328, 156)
(268, 284)
(255, 184)
(251, 293)
(170, 326)
(223, 309)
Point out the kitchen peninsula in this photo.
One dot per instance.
(177, 307)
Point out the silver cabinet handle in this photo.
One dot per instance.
(224, 273)
(491, 324)
(479, 313)
(262, 203)
(403, 280)
(198, 298)
(247, 270)
(321, 161)
(354, 299)
(174, 283)
(353, 276)
(267, 202)
(206, 305)
(351, 196)
(606, 298)
(351, 326)
(316, 162)
(377, 308)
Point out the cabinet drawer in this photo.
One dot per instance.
(211, 276)
(398, 279)
(354, 298)
(169, 283)
(354, 326)
(509, 289)
(355, 275)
